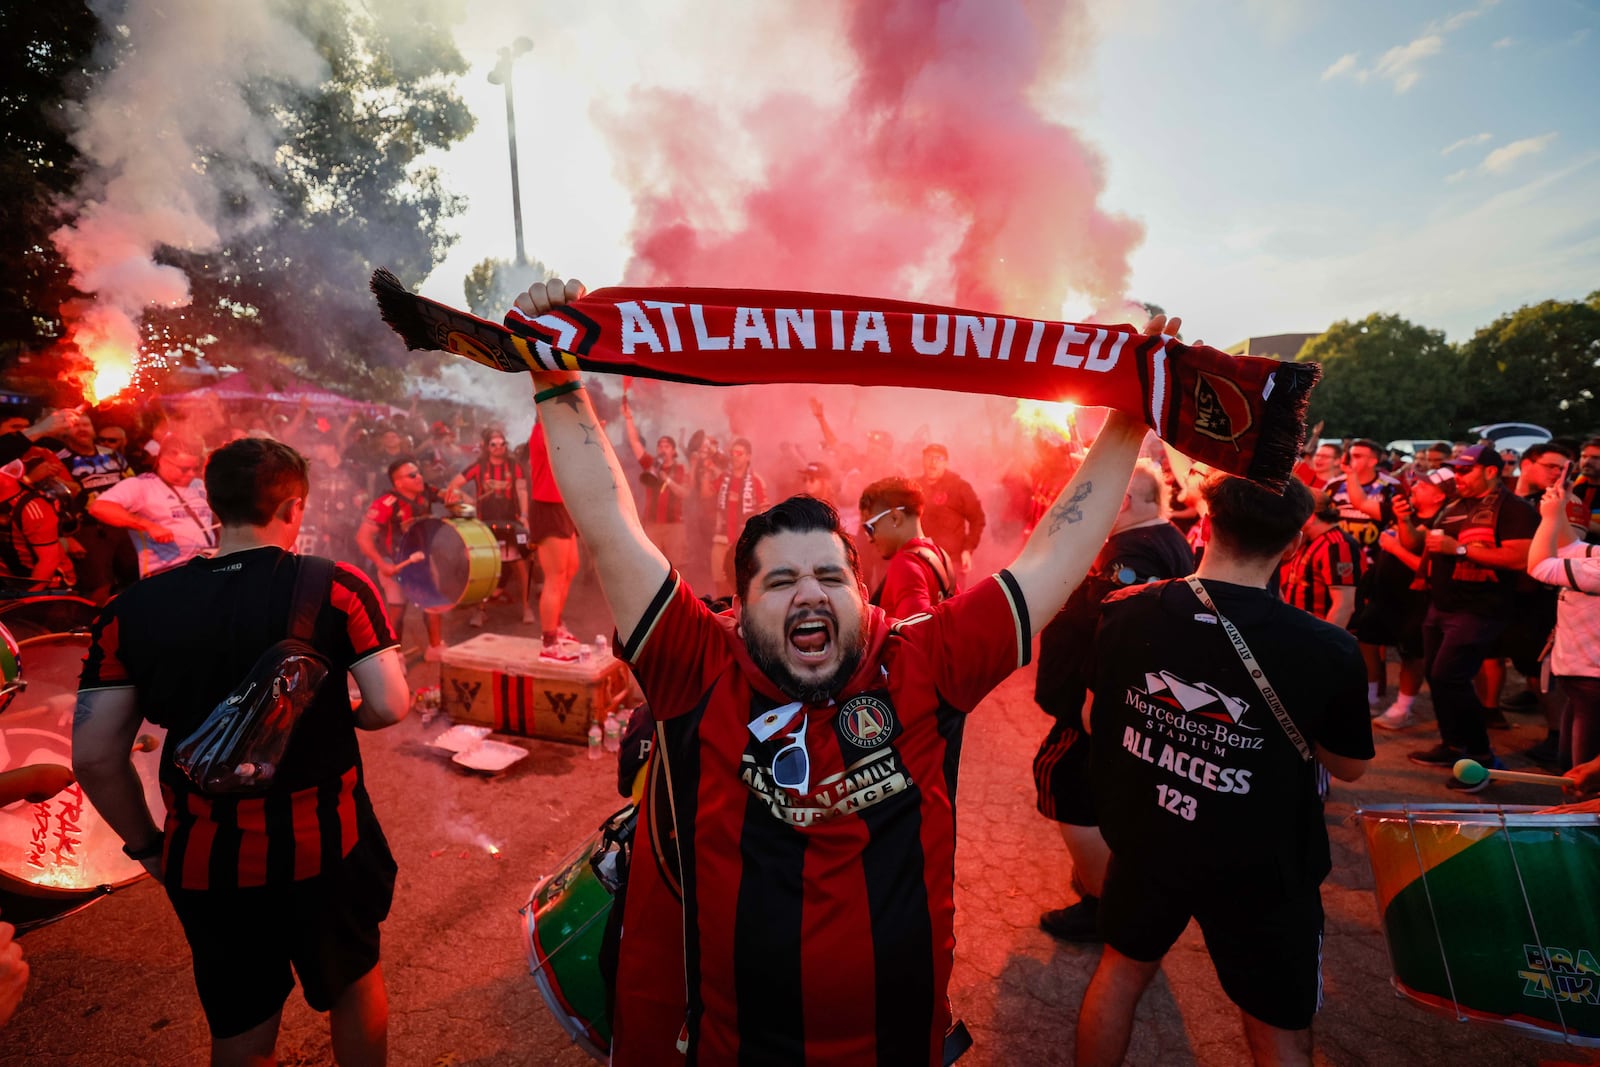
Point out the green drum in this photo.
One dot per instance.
(564, 924)
(1489, 912)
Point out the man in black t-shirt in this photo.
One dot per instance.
(1143, 547)
(1206, 788)
(1477, 548)
(300, 876)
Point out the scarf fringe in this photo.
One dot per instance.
(1283, 424)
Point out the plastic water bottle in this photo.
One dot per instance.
(595, 740)
(613, 732)
(602, 646)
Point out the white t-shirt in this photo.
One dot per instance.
(180, 508)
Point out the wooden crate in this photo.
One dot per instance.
(500, 682)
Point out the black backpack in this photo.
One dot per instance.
(239, 747)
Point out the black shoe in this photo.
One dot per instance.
(1526, 700)
(1546, 753)
(1440, 755)
(1076, 924)
(1495, 719)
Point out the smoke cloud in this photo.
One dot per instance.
(153, 135)
(889, 148)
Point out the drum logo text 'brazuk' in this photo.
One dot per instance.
(1556, 974)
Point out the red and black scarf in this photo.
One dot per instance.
(1242, 414)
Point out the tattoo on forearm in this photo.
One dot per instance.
(1068, 510)
(571, 401)
(588, 433)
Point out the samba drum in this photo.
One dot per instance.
(1489, 913)
(58, 855)
(564, 924)
(460, 564)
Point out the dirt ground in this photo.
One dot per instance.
(111, 985)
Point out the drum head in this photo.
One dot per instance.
(461, 563)
(60, 848)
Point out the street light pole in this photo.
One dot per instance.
(501, 75)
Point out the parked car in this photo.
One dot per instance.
(1511, 436)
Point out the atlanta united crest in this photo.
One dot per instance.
(865, 721)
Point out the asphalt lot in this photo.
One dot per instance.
(111, 985)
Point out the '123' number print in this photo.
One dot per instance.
(1178, 803)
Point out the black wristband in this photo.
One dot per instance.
(148, 852)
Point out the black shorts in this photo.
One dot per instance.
(547, 520)
(245, 941)
(1061, 776)
(1393, 620)
(1268, 953)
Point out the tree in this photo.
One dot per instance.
(45, 49)
(1539, 364)
(1384, 378)
(353, 194)
(493, 284)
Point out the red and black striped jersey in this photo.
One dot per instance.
(820, 923)
(28, 522)
(1321, 565)
(182, 640)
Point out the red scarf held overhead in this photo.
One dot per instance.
(1242, 414)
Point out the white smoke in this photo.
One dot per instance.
(171, 146)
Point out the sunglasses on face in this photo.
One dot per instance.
(108, 440)
(791, 766)
(870, 523)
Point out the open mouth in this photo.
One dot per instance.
(811, 639)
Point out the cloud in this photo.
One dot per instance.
(1345, 64)
(1454, 22)
(1400, 63)
(1500, 160)
(1466, 142)
(1459, 175)
(1505, 42)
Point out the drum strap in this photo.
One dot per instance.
(683, 904)
(1253, 668)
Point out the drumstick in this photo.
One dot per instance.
(146, 743)
(1471, 772)
(415, 557)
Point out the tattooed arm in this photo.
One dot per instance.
(1062, 547)
(592, 483)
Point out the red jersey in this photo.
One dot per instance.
(738, 498)
(1321, 565)
(391, 513)
(821, 925)
(915, 579)
(182, 640)
(28, 522)
(541, 479)
(495, 484)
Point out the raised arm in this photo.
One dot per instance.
(1062, 547)
(591, 480)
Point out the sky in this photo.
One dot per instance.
(1291, 163)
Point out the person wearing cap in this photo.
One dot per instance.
(952, 516)
(438, 457)
(1393, 614)
(1476, 546)
(816, 479)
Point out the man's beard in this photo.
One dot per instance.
(769, 657)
